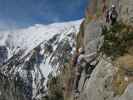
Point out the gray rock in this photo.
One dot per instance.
(98, 87)
(128, 94)
(92, 38)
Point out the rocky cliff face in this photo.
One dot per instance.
(124, 8)
(101, 85)
(24, 71)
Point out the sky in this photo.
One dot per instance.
(24, 13)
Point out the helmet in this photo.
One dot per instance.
(113, 6)
(80, 50)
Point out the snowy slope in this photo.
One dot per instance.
(37, 51)
(30, 37)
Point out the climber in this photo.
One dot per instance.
(80, 63)
(113, 15)
(83, 63)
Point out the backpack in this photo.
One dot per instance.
(113, 14)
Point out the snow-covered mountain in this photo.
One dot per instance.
(30, 37)
(33, 53)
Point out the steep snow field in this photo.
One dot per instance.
(37, 51)
(29, 38)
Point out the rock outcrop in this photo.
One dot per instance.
(22, 75)
(100, 85)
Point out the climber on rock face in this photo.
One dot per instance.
(83, 64)
(113, 15)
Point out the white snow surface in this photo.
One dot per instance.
(30, 37)
(27, 39)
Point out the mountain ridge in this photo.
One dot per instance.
(28, 66)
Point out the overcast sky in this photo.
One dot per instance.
(24, 13)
